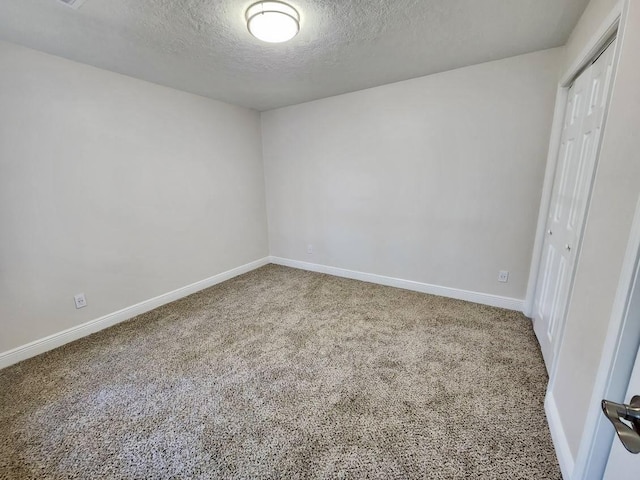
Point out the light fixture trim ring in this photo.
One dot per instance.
(270, 5)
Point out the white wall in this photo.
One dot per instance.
(435, 180)
(615, 194)
(117, 188)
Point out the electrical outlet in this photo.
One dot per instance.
(80, 300)
(503, 276)
(310, 249)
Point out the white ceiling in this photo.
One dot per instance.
(203, 47)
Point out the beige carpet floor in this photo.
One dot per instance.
(282, 373)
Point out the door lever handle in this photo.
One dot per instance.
(616, 412)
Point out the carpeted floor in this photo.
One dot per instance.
(282, 373)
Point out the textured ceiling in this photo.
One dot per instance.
(202, 46)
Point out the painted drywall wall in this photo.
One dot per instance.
(115, 187)
(615, 194)
(434, 180)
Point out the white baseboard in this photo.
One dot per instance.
(74, 333)
(476, 297)
(560, 443)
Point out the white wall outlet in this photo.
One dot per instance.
(309, 249)
(503, 276)
(80, 300)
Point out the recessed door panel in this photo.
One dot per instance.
(556, 310)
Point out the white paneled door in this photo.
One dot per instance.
(575, 169)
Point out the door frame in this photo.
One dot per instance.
(617, 361)
(610, 27)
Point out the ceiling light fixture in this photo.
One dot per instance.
(273, 22)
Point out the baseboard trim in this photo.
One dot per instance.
(560, 443)
(469, 296)
(74, 333)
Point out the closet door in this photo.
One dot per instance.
(575, 170)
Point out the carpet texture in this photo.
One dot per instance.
(282, 373)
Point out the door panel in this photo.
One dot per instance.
(555, 312)
(581, 183)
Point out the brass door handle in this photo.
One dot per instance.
(616, 412)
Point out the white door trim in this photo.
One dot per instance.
(616, 363)
(604, 32)
(595, 45)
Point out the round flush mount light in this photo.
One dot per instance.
(273, 22)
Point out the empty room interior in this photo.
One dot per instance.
(320, 239)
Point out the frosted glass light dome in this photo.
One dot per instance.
(273, 22)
